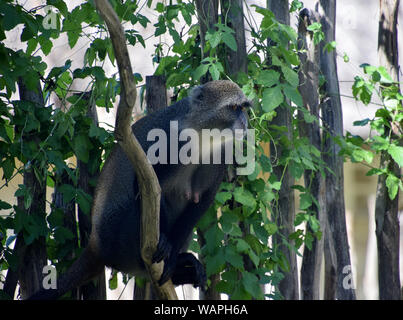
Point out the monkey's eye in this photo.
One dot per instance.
(234, 107)
(243, 109)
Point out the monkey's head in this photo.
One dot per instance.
(219, 105)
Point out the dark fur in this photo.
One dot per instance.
(187, 192)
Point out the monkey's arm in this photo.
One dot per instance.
(184, 225)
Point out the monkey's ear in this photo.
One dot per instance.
(196, 95)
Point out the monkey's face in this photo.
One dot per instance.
(220, 105)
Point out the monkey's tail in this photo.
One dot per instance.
(86, 267)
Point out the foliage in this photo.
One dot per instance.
(239, 246)
(45, 139)
(386, 126)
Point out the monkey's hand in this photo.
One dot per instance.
(164, 249)
(183, 269)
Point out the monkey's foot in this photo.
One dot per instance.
(189, 270)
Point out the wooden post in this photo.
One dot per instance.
(309, 80)
(286, 205)
(333, 123)
(386, 210)
(236, 61)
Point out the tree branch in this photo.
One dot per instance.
(147, 179)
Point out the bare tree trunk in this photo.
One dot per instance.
(286, 206)
(333, 122)
(386, 210)
(156, 93)
(34, 256)
(309, 79)
(232, 15)
(207, 15)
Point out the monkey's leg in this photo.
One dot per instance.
(164, 247)
(189, 270)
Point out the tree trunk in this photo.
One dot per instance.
(333, 122)
(309, 79)
(386, 210)
(286, 206)
(34, 256)
(232, 15)
(207, 15)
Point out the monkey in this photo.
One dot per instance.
(187, 191)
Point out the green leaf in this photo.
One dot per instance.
(271, 228)
(32, 44)
(392, 183)
(223, 197)
(8, 168)
(290, 76)
(200, 71)
(251, 284)
(272, 98)
(305, 201)
(4, 205)
(265, 163)
(84, 200)
(396, 153)
(11, 16)
(380, 143)
(214, 263)
(113, 281)
(361, 123)
(215, 73)
(242, 245)
(374, 171)
(46, 45)
(296, 170)
(244, 197)
(268, 78)
(68, 191)
(330, 46)
(360, 155)
(293, 94)
(214, 38)
(385, 76)
(234, 258)
(230, 41)
(276, 185)
(314, 223)
(81, 146)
